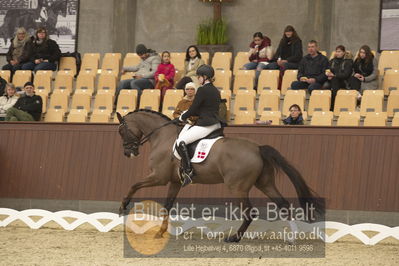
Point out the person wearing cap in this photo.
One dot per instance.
(27, 107)
(143, 76)
(187, 101)
(206, 106)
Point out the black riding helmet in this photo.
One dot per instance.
(206, 70)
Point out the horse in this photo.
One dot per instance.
(238, 163)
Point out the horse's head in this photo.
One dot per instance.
(131, 137)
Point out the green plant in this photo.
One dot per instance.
(212, 32)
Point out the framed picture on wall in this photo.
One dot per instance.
(389, 25)
(59, 17)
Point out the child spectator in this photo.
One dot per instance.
(165, 74)
(192, 62)
(27, 107)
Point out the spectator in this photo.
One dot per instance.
(187, 101)
(20, 51)
(28, 107)
(192, 62)
(165, 74)
(339, 72)
(289, 51)
(260, 52)
(295, 117)
(46, 53)
(9, 99)
(143, 78)
(311, 70)
(365, 70)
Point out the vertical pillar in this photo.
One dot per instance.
(124, 18)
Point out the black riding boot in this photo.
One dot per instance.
(187, 172)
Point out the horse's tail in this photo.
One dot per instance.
(307, 197)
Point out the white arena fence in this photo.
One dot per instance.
(114, 220)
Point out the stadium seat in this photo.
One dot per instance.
(111, 63)
(77, 116)
(81, 101)
(226, 94)
(320, 100)
(391, 81)
(268, 80)
(323, 53)
(63, 83)
(170, 101)
(245, 117)
(5, 74)
(44, 96)
(269, 100)
(345, 101)
(348, 119)
(372, 101)
(104, 101)
(177, 59)
(395, 120)
(375, 119)
(21, 77)
(274, 116)
(205, 57)
(293, 97)
(68, 63)
(42, 81)
(240, 60)
(59, 101)
(388, 60)
(85, 84)
(244, 80)
(222, 60)
(150, 99)
(131, 59)
(100, 116)
(244, 101)
(54, 115)
(321, 118)
(223, 79)
(393, 103)
(127, 100)
(289, 77)
(106, 82)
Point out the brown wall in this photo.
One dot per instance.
(354, 168)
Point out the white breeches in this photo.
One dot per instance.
(189, 133)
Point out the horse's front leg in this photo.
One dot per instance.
(149, 181)
(173, 190)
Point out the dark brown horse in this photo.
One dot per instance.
(253, 165)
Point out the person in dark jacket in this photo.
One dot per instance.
(295, 117)
(28, 107)
(206, 107)
(339, 72)
(289, 52)
(311, 71)
(365, 71)
(46, 53)
(20, 51)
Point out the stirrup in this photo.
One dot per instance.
(186, 178)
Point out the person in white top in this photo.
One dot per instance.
(9, 99)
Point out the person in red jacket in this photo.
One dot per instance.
(165, 74)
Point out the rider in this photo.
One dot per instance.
(206, 106)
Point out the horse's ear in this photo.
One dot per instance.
(120, 118)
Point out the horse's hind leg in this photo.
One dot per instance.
(242, 202)
(173, 190)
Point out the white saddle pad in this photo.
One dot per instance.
(201, 151)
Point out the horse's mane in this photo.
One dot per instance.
(150, 111)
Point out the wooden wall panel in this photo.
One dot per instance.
(354, 168)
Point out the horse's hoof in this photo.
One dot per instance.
(158, 235)
(232, 239)
(121, 211)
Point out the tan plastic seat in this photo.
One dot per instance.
(131, 59)
(268, 80)
(42, 81)
(100, 116)
(372, 101)
(81, 101)
(44, 96)
(63, 83)
(85, 83)
(21, 77)
(240, 60)
(90, 62)
(395, 120)
(289, 77)
(226, 94)
(170, 101)
(293, 97)
(177, 59)
(106, 82)
(127, 101)
(244, 80)
(244, 101)
(274, 116)
(388, 60)
(391, 81)
(111, 63)
(150, 99)
(104, 101)
(269, 100)
(68, 63)
(77, 116)
(223, 79)
(5, 74)
(59, 101)
(393, 103)
(245, 117)
(322, 118)
(345, 101)
(205, 57)
(54, 115)
(375, 119)
(320, 100)
(222, 60)
(348, 119)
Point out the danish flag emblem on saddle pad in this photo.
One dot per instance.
(201, 151)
